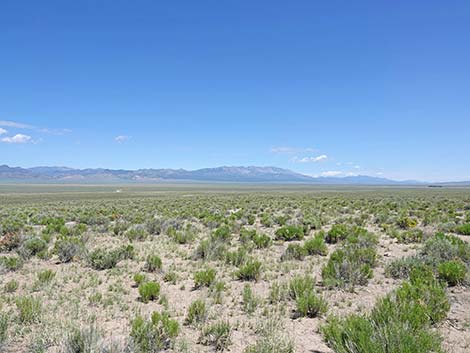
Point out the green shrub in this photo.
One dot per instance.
(170, 277)
(126, 252)
(310, 304)
(149, 291)
(211, 249)
(294, 252)
(289, 233)
(11, 263)
(29, 309)
(67, 248)
(4, 323)
(85, 340)
(463, 229)
(247, 235)
(101, 259)
(139, 278)
(11, 286)
(197, 312)
(351, 264)
(43, 278)
(410, 236)
(453, 272)
(345, 268)
(153, 263)
(400, 322)
(154, 335)
(222, 233)
(250, 301)
(236, 258)
(262, 241)
(217, 335)
(250, 271)
(32, 247)
(299, 285)
(136, 234)
(336, 233)
(316, 246)
(204, 278)
(407, 222)
(401, 268)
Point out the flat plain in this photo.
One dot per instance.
(237, 268)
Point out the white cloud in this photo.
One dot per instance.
(18, 125)
(331, 173)
(357, 167)
(18, 138)
(3, 131)
(15, 124)
(122, 138)
(320, 158)
(290, 150)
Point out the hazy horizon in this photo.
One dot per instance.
(322, 89)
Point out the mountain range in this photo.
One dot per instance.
(251, 174)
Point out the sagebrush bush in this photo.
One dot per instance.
(149, 291)
(294, 252)
(153, 263)
(11, 286)
(299, 285)
(463, 229)
(262, 241)
(29, 309)
(32, 247)
(289, 233)
(250, 300)
(67, 248)
(352, 264)
(139, 278)
(250, 271)
(316, 245)
(336, 233)
(204, 278)
(400, 322)
(4, 324)
(101, 259)
(154, 335)
(453, 272)
(309, 304)
(197, 312)
(11, 263)
(217, 335)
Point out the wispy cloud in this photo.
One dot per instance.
(291, 150)
(3, 131)
(331, 173)
(316, 159)
(15, 124)
(18, 138)
(23, 126)
(122, 138)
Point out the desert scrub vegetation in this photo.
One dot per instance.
(149, 291)
(154, 335)
(83, 271)
(197, 312)
(444, 254)
(352, 263)
(217, 335)
(402, 321)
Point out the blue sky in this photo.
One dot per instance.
(319, 87)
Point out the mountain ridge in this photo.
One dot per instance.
(236, 174)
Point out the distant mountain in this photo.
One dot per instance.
(250, 174)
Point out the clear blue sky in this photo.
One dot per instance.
(319, 87)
